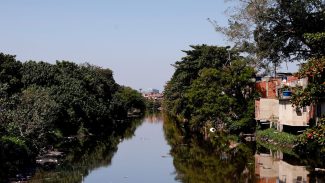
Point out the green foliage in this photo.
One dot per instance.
(126, 100)
(42, 102)
(153, 105)
(187, 70)
(35, 114)
(38, 73)
(314, 70)
(207, 88)
(275, 147)
(283, 30)
(313, 139)
(276, 31)
(14, 154)
(280, 138)
(10, 76)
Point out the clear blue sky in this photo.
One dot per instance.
(137, 39)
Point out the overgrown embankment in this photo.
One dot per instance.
(276, 141)
(42, 103)
(277, 138)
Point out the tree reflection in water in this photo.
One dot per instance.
(195, 160)
(199, 161)
(84, 156)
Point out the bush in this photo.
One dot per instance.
(274, 136)
(313, 138)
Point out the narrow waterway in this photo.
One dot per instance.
(142, 158)
(154, 150)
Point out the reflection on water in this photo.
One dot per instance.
(154, 149)
(271, 168)
(154, 118)
(143, 159)
(83, 157)
(198, 161)
(275, 166)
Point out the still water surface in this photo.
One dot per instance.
(143, 158)
(154, 150)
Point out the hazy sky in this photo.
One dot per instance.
(137, 39)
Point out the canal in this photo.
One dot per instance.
(143, 158)
(153, 149)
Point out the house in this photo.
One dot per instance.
(266, 107)
(274, 108)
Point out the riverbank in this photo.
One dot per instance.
(272, 136)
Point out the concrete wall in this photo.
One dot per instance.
(288, 115)
(267, 109)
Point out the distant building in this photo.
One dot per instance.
(151, 90)
(152, 94)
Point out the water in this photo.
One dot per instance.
(154, 150)
(143, 158)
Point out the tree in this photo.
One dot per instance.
(38, 98)
(219, 96)
(34, 116)
(314, 93)
(38, 73)
(10, 77)
(212, 85)
(187, 70)
(282, 29)
(126, 100)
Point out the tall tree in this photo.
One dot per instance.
(187, 70)
(10, 76)
(212, 85)
(278, 30)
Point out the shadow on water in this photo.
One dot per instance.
(79, 158)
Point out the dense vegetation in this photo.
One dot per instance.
(212, 87)
(281, 139)
(41, 103)
(313, 139)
